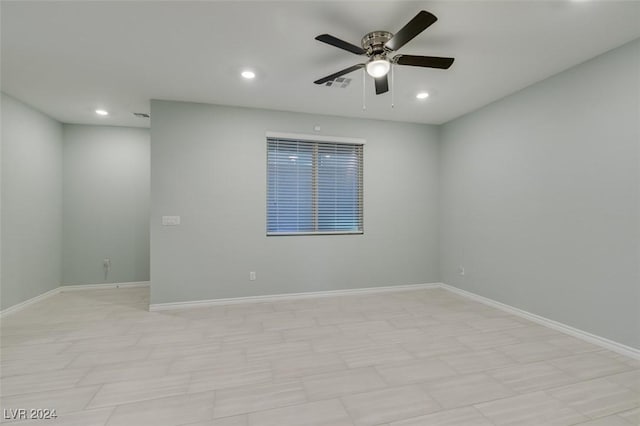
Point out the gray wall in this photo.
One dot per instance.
(31, 231)
(106, 204)
(208, 165)
(540, 198)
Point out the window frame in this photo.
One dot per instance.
(315, 139)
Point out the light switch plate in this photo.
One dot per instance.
(170, 220)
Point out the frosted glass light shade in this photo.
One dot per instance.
(378, 68)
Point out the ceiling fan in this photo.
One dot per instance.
(377, 45)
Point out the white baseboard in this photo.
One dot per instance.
(20, 306)
(564, 328)
(288, 296)
(76, 287)
(65, 288)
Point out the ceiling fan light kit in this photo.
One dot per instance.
(377, 45)
(378, 67)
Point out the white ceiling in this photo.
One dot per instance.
(69, 58)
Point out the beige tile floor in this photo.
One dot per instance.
(424, 357)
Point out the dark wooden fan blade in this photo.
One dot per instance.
(418, 24)
(423, 61)
(341, 44)
(382, 85)
(338, 74)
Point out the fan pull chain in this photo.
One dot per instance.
(392, 88)
(364, 81)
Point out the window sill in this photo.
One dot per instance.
(286, 234)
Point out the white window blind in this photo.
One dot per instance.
(313, 187)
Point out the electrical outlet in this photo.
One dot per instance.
(252, 276)
(461, 270)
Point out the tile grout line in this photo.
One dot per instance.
(113, 410)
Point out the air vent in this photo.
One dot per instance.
(142, 115)
(340, 82)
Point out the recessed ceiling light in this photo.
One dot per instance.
(422, 95)
(248, 74)
(102, 112)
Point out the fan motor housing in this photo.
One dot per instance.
(374, 42)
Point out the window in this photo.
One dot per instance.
(313, 186)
